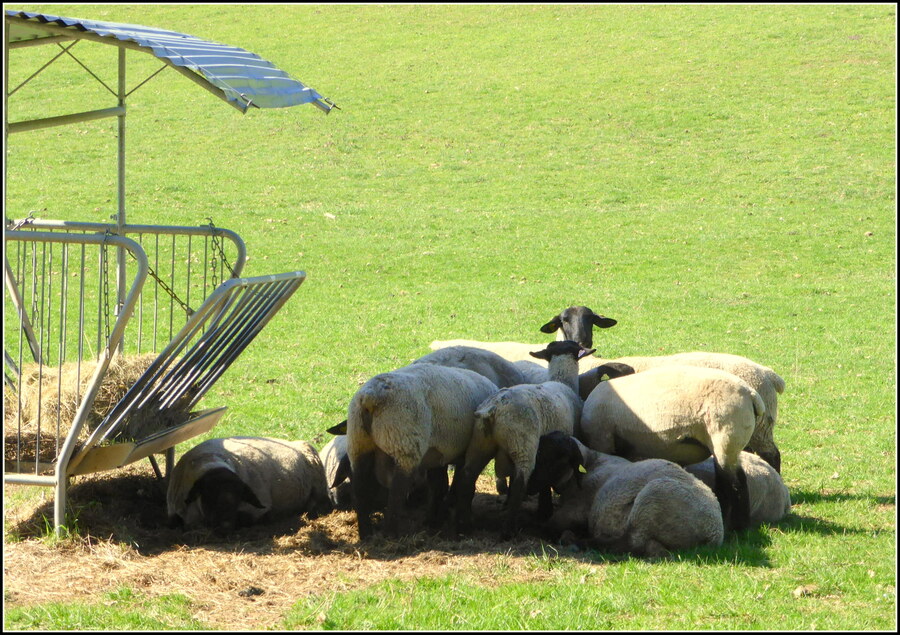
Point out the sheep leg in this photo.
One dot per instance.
(516, 494)
(364, 491)
(400, 485)
(545, 504)
(438, 486)
(734, 497)
(464, 486)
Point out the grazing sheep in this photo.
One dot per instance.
(646, 508)
(770, 500)
(683, 414)
(412, 421)
(509, 425)
(227, 483)
(761, 378)
(500, 371)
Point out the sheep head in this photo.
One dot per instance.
(577, 323)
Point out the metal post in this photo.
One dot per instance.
(120, 216)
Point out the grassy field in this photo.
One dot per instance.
(715, 178)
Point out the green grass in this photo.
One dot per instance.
(714, 177)
(120, 610)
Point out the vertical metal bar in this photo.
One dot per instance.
(120, 217)
(37, 442)
(155, 292)
(172, 283)
(140, 335)
(189, 258)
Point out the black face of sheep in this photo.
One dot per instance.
(565, 347)
(772, 457)
(558, 460)
(577, 323)
(221, 493)
(612, 370)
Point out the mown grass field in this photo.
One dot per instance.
(716, 178)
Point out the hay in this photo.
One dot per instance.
(49, 399)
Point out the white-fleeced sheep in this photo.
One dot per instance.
(770, 500)
(761, 378)
(682, 414)
(226, 483)
(647, 508)
(509, 425)
(501, 372)
(412, 421)
(336, 462)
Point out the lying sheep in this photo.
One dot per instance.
(228, 483)
(501, 372)
(761, 378)
(336, 462)
(682, 414)
(412, 421)
(509, 425)
(574, 323)
(770, 500)
(646, 508)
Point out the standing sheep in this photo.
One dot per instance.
(682, 414)
(509, 425)
(501, 372)
(770, 500)
(647, 508)
(402, 424)
(761, 378)
(227, 483)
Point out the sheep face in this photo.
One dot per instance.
(559, 459)
(221, 493)
(577, 323)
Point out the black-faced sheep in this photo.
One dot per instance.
(682, 414)
(501, 372)
(227, 483)
(336, 462)
(770, 500)
(646, 508)
(509, 425)
(412, 421)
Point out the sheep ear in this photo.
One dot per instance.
(584, 352)
(541, 355)
(248, 496)
(338, 429)
(602, 322)
(552, 326)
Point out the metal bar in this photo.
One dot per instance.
(38, 71)
(16, 297)
(39, 41)
(120, 191)
(62, 120)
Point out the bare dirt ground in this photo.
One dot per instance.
(246, 581)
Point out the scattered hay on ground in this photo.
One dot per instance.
(248, 580)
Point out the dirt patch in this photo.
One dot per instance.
(250, 579)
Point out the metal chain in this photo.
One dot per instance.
(188, 310)
(217, 247)
(105, 284)
(11, 226)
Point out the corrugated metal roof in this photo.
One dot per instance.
(244, 77)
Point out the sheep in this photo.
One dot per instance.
(647, 508)
(574, 323)
(683, 414)
(501, 372)
(509, 425)
(761, 378)
(336, 462)
(338, 474)
(238, 481)
(770, 500)
(411, 421)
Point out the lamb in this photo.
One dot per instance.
(501, 372)
(509, 425)
(683, 414)
(761, 378)
(770, 500)
(574, 323)
(412, 421)
(227, 483)
(647, 508)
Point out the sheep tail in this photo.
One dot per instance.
(777, 381)
(759, 407)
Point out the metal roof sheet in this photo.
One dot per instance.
(244, 78)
